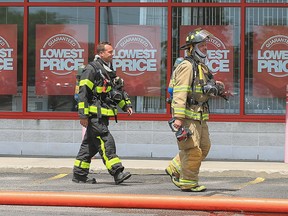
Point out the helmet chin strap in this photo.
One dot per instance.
(196, 54)
(199, 55)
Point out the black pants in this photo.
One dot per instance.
(97, 139)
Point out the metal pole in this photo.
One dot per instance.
(286, 131)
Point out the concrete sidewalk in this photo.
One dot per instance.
(146, 166)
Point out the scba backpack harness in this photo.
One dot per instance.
(107, 90)
(116, 82)
(209, 88)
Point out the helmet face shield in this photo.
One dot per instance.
(197, 36)
(202, 36)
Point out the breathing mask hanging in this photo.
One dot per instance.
(210, 89)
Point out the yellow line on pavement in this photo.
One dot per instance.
(40, 181)
(256, 181)
(58, 176)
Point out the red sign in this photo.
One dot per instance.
(220, 52)
(137, 58)
(270, 61)
(60, 50)
(8, 59)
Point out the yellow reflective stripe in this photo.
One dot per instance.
(86, 82)
(182, 89)
(180, 111)
(200, 72)
(205, 116)
(191, 183)
(176, 165)
(104, 111)
(122, 103)
(198, 89)
(112, 162)
(109, 88)
(86, 111)
(191, 114)
(82, 164)
(108, 163)
(99, 89)
(81, 105)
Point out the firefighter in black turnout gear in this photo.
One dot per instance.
(100, 92)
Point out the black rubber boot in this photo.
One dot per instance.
(83, 179)
(120, 177)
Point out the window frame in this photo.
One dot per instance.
(241, 117)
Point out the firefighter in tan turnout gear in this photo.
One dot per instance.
(100, 92)
(193, 85)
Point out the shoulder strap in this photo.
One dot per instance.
(101, 68)
(195, 70)
(98, 69)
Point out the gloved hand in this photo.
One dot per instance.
(183, 134)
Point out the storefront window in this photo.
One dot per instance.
(11, 0)
(139, 37)
(266, 1)
(133, 0)
(62, 1)
(266, 61)
(60, 40)
(11, 56)
(207, 1)
(223, 49)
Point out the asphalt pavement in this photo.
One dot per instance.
(44, 194)
(146, 166)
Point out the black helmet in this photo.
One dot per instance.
(197, 36)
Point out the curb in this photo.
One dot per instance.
(143, 171)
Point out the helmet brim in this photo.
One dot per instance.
(185, 46)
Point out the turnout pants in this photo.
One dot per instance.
(192, 152)
(97, 139)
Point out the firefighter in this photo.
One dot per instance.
(100, 92)
(193, 84)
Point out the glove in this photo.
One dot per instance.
(183, 134)
(171, 125)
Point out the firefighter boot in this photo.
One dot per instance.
(198, 188)
(120, 176)
(191, 186)
(83, 179)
